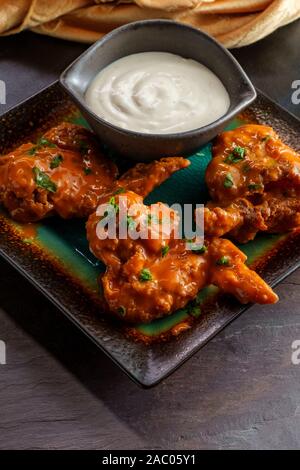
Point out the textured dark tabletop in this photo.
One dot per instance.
(58, 391)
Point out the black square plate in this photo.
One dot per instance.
(54, 254)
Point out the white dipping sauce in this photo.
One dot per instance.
(157, 93)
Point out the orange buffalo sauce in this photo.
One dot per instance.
(63, 173)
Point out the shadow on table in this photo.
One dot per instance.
(230, 386)
(146, 411)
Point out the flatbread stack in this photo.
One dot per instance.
(235, 23)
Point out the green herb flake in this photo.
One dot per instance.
(145, 275)
(195, 311)
(43, 142)
(165, 250)
(266, 138)
(120, 191)
(255, 186)
(228, 181)
(56, 161)
(130, 222)
(237, 154)
(112, 202)
(194, 308)
(239, 151)
(122, 311)
(198, 299)
(43, 181)
(32, 151)
(198, 249)
(87, 171)
(223, 261)
(154, 218)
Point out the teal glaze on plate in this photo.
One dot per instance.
(260, 246)
(237, 122)
(186, 186)
(79, 120)
(66, 241)
(157, 327)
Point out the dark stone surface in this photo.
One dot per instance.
(58, 391)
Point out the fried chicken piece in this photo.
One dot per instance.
(249, 161)
(229, 272)
(242, 220)
(144, 177)
(254, 182)
(154, 275)
(73, 137)
(64, 173)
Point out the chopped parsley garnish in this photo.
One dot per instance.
(266, 138)
(237, 154)
(154, 218)
(228, 181)
(239, 151)
(195, 311)
(56, 161)
(165, 250)
(122, 311)
(145, 275)
(198, 249)
(223, 261)
(112, 209)
(32, 151)
(43, 181)
(112, 202)
(194, 307)
(255, 186)
(120, 191)
(130, 222)
(87, 170)
(42, 142)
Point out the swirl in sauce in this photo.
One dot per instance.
(157, 93)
